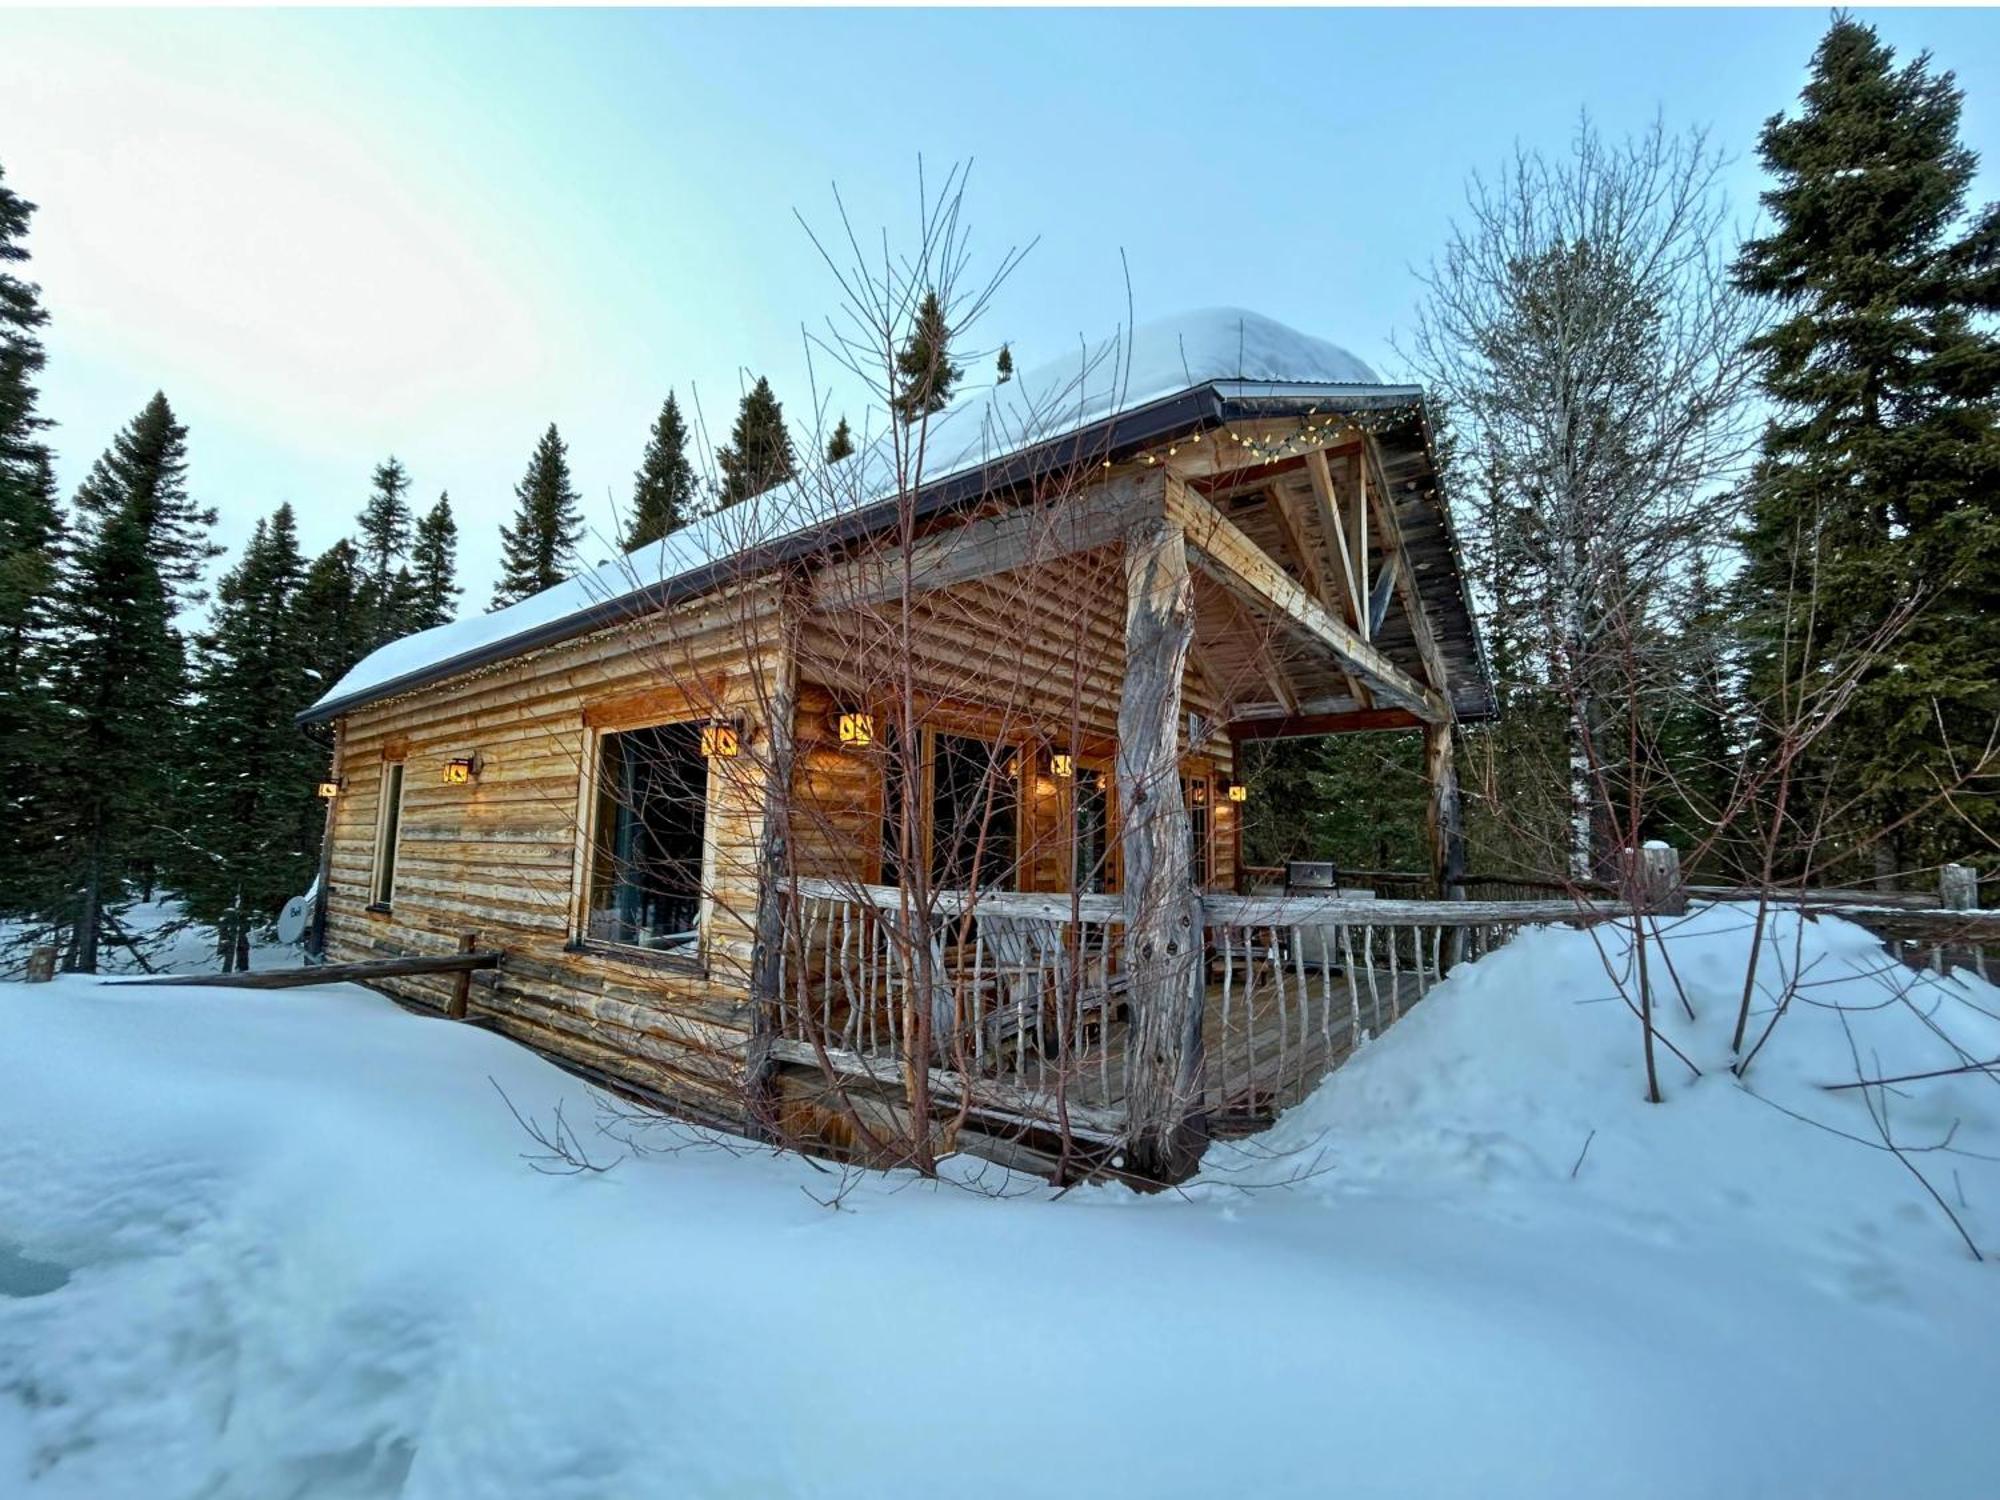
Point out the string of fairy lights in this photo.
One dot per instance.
(1315, 430)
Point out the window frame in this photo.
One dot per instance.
(691, 959)
(388, 835)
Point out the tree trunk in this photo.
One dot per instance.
(88, 918)
(774, 868)
(1164, 1126)
(1447, 828)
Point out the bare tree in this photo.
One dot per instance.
(1583, 331)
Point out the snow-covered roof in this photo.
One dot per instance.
(1240, 355)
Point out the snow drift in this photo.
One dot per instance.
(269, 1245)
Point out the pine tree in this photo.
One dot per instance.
(145, 471)
(1880, 474)
(759, 455)
(434, 568)
(118, 667)
(539, 549)
(31, 537)
(663, 489)
(384, 523)
(1003, 367)
(332, 616)
(841, 444)
(928, 374)
(119, 678)
(246, 824)
(388, 593)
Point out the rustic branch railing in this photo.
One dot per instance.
(1028, 1006)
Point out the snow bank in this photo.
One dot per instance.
(283, 1244)
(1530, 1060)
(1249, 352)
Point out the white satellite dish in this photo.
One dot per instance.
(298, 911)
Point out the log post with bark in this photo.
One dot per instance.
(1164, 1126)
(774, 878)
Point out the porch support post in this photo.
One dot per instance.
(1447, 825)
(774, 871)
(1447, 814)
(1165, 1129)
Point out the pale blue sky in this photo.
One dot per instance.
(330, 236)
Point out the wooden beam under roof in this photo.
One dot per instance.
(1226, 554)
(1019, 537)
(1282, 507)
(1300, 726)
(1406, 578)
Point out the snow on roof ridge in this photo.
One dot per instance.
(1156, 360)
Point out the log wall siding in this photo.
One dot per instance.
(501, 856)
(1015, 656)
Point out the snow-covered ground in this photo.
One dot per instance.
(284, 1244)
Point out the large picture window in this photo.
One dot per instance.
(388, 824)
(975, 790)
(648, 825)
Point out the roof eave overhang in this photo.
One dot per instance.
(1110, 440)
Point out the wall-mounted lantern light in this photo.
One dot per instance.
(719, 741)
(329, 790)
(1238, 792)
(461, 770)
(1061, 766)
(857, 730)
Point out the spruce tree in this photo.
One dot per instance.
(247, 842)
(384, 524)
(663, 489)
(118, 668)
(539, 549)
(1003, 367)
(759, 455)
(1880, 475)
(145, 471)
(332, 616)
(434, 568)
(119, 678)
(31, 535)
(924, 364)
(388, 593)
(841, 444)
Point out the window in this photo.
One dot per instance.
(1093, 831)
(388, 823)
(974, 792)
(1197, 802)
(650, 815)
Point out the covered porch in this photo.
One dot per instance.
(1270, 577)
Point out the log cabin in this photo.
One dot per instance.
(908, 788)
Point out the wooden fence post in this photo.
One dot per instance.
(42, 964)
(1165, 1128)
(1660, 879)
(461, 988)
(1958, 888)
